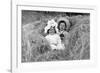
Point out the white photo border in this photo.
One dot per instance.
(17, 66)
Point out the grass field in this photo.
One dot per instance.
(36, 48)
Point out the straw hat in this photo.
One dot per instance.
(65, 19)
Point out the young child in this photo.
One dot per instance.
(63, 26)
(54, 39)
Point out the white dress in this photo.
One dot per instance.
(55, 41)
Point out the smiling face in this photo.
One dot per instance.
(62, 26)
(51, 30)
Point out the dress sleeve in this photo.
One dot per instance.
(47, 39)
(58, 39)
(67, 35)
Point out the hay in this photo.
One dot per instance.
(36, 48)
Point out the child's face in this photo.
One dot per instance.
(62, 26)
(51, 31)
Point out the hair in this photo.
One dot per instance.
(49, 29)
(60, 23)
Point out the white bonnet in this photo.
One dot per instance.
(51, 23)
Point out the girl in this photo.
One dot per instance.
(63, 26)
(53, 38)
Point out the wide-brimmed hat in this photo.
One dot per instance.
(65, 19)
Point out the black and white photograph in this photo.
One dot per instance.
(54, 36)
(48, 37)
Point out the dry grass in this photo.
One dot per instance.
(36, 48)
